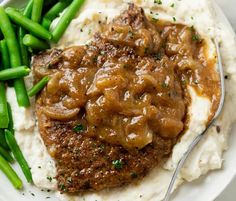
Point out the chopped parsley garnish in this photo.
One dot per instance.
(102, 146)
(158, 56)
(95, 59)
(172, 5)
(49, 179)
(196, 38)
(79, 128)
(158, 2)
(62, 187)
(174, 19)
(117, 164)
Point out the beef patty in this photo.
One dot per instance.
(114, 108)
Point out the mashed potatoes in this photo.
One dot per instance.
(207, 155)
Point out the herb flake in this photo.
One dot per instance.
(78, 128)
(158, 2)
(117, 164)
(196, 38)
(49, 179)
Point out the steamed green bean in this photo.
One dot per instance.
(38, 87)
(11, 141)
(34, 43)
(56, 10)
(3, 142)
(66, 18)
(10, 173)
(6, 155)
(33, 27)
(13, 73)
(4, 118)
(15, 59)
(46, 23)
(37, 10)
(11, 122)
(21, 33)
(5, 54)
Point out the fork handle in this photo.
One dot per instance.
(182, 161)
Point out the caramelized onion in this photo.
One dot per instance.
(60, 113)
(170, 128)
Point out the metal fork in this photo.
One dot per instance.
(200, 136)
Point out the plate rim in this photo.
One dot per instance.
(224, 18)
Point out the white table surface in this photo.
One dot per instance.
(229, 8)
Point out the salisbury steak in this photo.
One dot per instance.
(113, 109)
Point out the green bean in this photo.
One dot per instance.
(28, 9)
(37, 10)
(15, 59)
(11, 141)
(38, 87)
(3, 142)
(5, 58)
(21, 33)
(22, 98)
(66, 19)
(6, 155)
(5, 54)
(13, 73)
(34, 43)
(10, 37)
(46, 23)
(11, 122)
(23, 49)
(28, 24)
(10, 173)
(4, 118)
(56, 10)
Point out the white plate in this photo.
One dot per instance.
(228, 7)
(207, 188)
